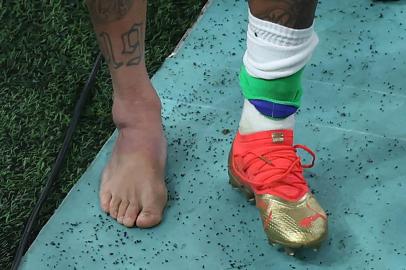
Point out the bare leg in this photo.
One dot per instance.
(298, 14)
(132, 188)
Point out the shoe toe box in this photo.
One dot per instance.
(294, 224)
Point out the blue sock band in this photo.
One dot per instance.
(272, 109)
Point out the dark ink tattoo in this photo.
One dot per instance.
(104, 11)
(108, 51)
(132, 44)
(297, 14)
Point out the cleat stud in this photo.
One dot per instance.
(289, 251)
(272, 243)
(316, 248)
(232, 184)
(250, 196)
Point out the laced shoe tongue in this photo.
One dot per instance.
(279, 175)
(288, 181)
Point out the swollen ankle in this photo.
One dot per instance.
(136, 113)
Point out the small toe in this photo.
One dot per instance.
(114, 205)
(131, 215)
(121, 211)
(105, 198)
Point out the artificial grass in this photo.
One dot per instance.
(46, 52)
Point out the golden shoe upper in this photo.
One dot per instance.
(292, 224)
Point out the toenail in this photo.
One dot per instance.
(129, 222)
(146, 214)
(128, 219)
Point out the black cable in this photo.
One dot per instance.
(80, 104)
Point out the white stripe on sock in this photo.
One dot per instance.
(253, 121)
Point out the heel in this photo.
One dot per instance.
(237, 185)
(233, 183)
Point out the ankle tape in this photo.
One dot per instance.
(277, 98)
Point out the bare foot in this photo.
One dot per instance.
(132, 189)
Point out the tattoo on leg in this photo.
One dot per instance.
(104, 11)
(290, 13)
(131, 51)
(132, 45)
(107, 50)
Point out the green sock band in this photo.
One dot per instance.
(285, 91)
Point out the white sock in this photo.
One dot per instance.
(253, 121)
(275, 51)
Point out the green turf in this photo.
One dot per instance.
(46, 52)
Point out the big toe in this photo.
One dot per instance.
(149, 218)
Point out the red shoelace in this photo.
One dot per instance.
(277, 167)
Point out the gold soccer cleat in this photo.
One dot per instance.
(266, 167)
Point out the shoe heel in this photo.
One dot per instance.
(236, 185)
(233, 183)
(249, 195)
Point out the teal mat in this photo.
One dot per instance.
(352, 115)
